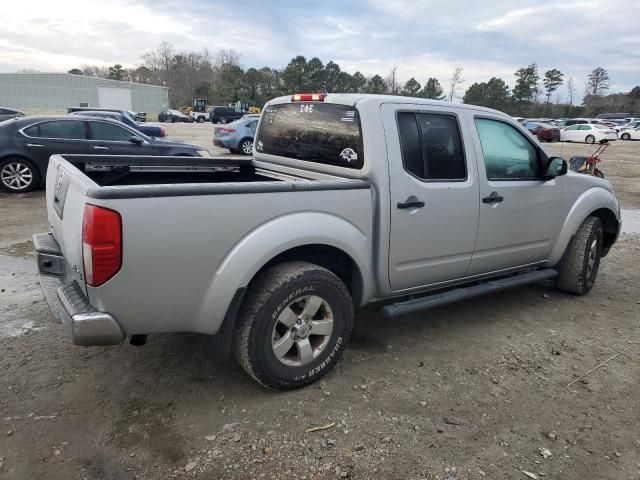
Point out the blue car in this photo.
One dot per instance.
(237, 136)
(127, 119)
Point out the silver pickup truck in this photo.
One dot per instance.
(349, 200)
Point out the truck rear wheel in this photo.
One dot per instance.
(294, 324)
(578, 268)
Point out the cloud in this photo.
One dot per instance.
(491, 38)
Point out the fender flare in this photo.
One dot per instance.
(593, 199)
(253, 251)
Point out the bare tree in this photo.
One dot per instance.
(598, 81)
(392, 81)
(570, 90)
(456, 79)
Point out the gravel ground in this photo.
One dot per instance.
(469, 391)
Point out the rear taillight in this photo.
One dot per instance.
(101, 244)
(162, 132)
(225, 130)
(308, 97)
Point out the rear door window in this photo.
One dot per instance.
(314, 132)
(431, 146)
(63, 129)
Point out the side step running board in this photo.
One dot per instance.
(490, 286)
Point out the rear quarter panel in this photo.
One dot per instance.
(185, 257)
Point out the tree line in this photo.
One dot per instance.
(220, 79)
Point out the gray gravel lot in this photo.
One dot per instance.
(474, 390)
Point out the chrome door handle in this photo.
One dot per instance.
(34, 145)
(100, 148)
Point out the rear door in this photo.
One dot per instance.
(109, 138)
(47, 138)
(520, 214)
(434, 195)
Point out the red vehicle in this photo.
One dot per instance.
(544, 131)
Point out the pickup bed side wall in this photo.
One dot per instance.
(185, 257)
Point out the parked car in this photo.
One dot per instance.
(630, 134)
(544, 131)
(225, 114)
(151, 130)
(7, 113)
(137, 116)
(237, 136)
(350, 199)
(173, 116)
(628, 126)
(26, 143)
(588, 133)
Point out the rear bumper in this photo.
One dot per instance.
(67, 302)
(220, 143)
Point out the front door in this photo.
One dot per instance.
(109, 138)
(520, 214)
(433, 195)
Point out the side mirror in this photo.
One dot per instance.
(555, 168)
(136, 140)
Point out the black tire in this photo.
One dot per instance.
(598, 173)
(577, 270)
(200, 119)
(590, 139)
(223, 120)
(246, 146)
(625, 136)
(173, 120)
(28, 175)
(278, 289)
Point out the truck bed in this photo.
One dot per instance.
(141, 176)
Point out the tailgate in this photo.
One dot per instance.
(66, 197)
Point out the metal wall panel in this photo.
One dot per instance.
(52, 93)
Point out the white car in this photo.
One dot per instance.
(631, 134)
(587, 133)
(628, 126)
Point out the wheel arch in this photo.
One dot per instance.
(321, 238)
(594, 202)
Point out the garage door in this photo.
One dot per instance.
(114, 97)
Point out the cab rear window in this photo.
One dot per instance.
(314, 132)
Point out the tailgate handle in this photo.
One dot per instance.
(100, 148)
(34, 145)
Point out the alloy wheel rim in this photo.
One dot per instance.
(247, 147)
(302, 331)
(16, 176)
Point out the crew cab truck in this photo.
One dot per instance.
(349, 200)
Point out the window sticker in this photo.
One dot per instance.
(348, 155)
(271, 114)
(348, 116)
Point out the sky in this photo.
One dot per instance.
(423, 38)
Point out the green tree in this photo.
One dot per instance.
(230, 84)
(433, 90)
(551, 81)
(635, 92)
(252, 84)
(295, 76)
(526, 83)
(376, 84)
(116, 72)
(358, 83)
(316, 74)
(491, 94)
(598, 82)
(411, 88)
(75, 71)
(331, 77)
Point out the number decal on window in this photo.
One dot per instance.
(306, 108)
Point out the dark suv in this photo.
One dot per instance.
(225, 114)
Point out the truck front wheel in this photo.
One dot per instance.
(578, 268)
(294, 324)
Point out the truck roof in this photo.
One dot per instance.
(359, 99)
